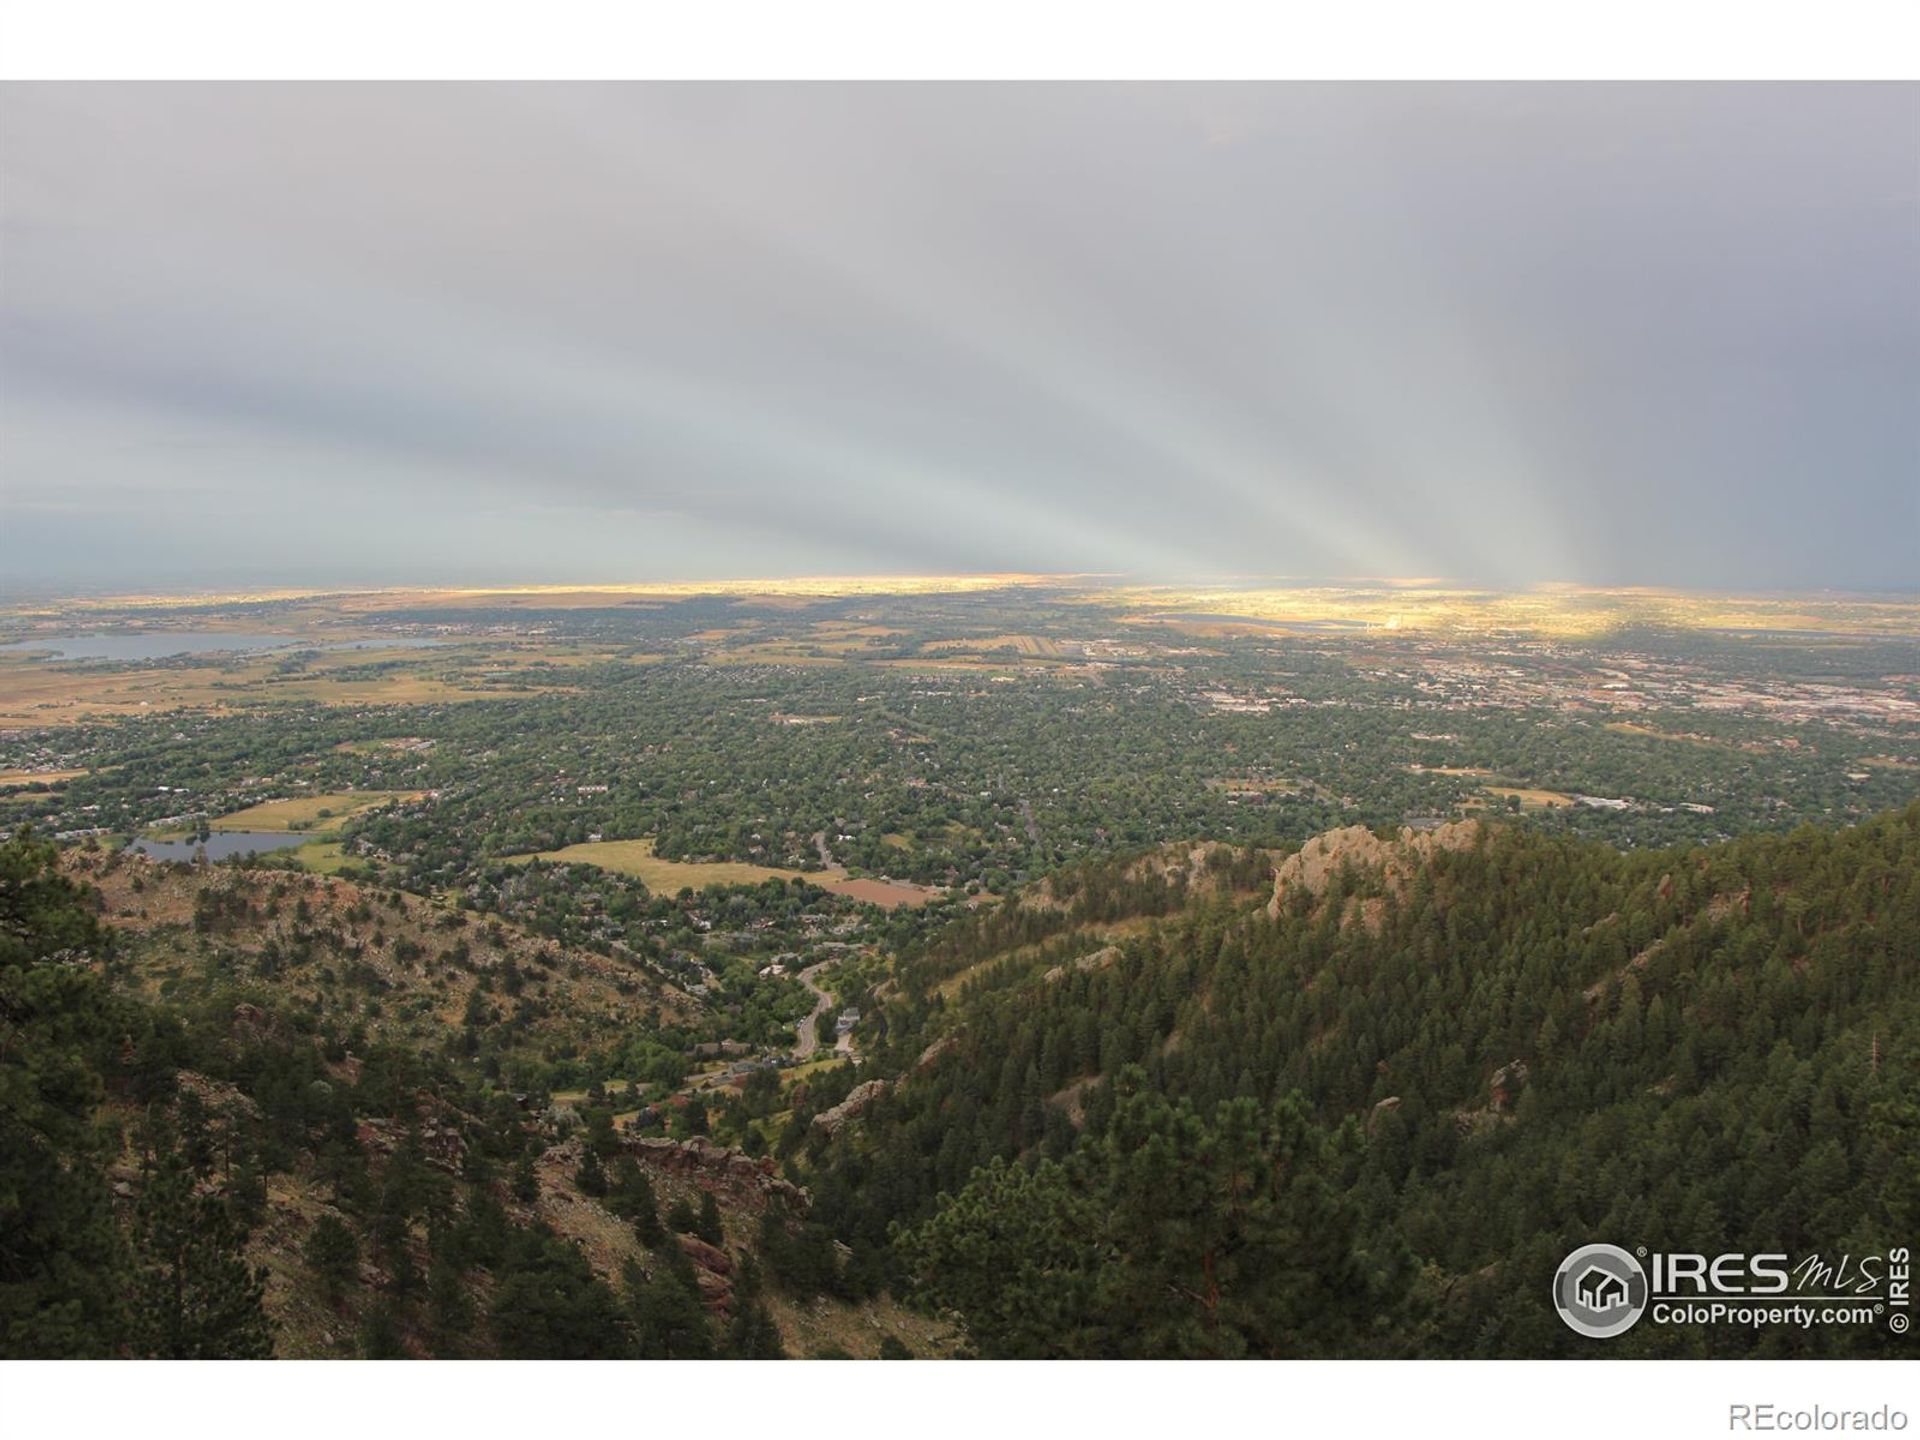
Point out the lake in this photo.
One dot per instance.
(221, 845)
(159, 645)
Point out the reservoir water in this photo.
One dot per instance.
(221, 845)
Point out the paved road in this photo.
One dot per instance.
(810, 1027)
(822, 1004)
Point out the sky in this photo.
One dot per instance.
(437, 334)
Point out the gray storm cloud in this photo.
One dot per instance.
(417, 334)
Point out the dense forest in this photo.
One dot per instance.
(1375, 1124)
(1133, 1110)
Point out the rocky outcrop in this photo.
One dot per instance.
(1312, 867)
(1505, 1084)
(707, 1257)
(933, 1052)
(712, 1273)
(858, 1099)
(1098, 960)
(1503, 1087)
(746, 1178)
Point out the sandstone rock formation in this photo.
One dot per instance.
(858, 1099)
(1098, 960)
(1314, 865)
(744, 1177)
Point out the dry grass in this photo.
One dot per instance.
(1036, 646)
(823, 1327)
(1648, 732)
(11, 778)
(305, 812)
(423, 998)
(1529, 799)
(636, 857)
(34, 694)
(322, 857)
(668, 877)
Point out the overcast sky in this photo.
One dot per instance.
(321, 334)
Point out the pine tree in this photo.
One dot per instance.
(194, 1295)
(334, 1254)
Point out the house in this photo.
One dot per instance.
(1601, 1290)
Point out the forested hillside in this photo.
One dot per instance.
(1374, 1122)
(1164, 1104)
(247, 1112)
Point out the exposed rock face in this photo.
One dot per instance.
(1502, 1088)
(1316, 863)
(707, 1257)
(1638, 962)
(858, 1099)
(932, 1054)
(1098, 960)
(717, 1167)
(1505, 1084)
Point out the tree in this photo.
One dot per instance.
(1015, 1254)
(550, 1306)
(63, 1261)
(194, 1295)
(681, 1219)
(668, 1319)
(707, 1225)
(334, 1254)
(1172, 1235)
(591, 1179)
(380, 1335)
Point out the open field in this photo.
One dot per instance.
(1554, 611)
(665, 877)
(322, 857)
(884, 893)
(307, 811)
(1245, 784)
(11, 778)
(37, 693)
(773, 654)
(669, 877)
(1529, 799)
(1037, 646)
(1627, 727)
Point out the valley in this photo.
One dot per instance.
(813, 970)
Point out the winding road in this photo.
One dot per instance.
(810, 1027)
